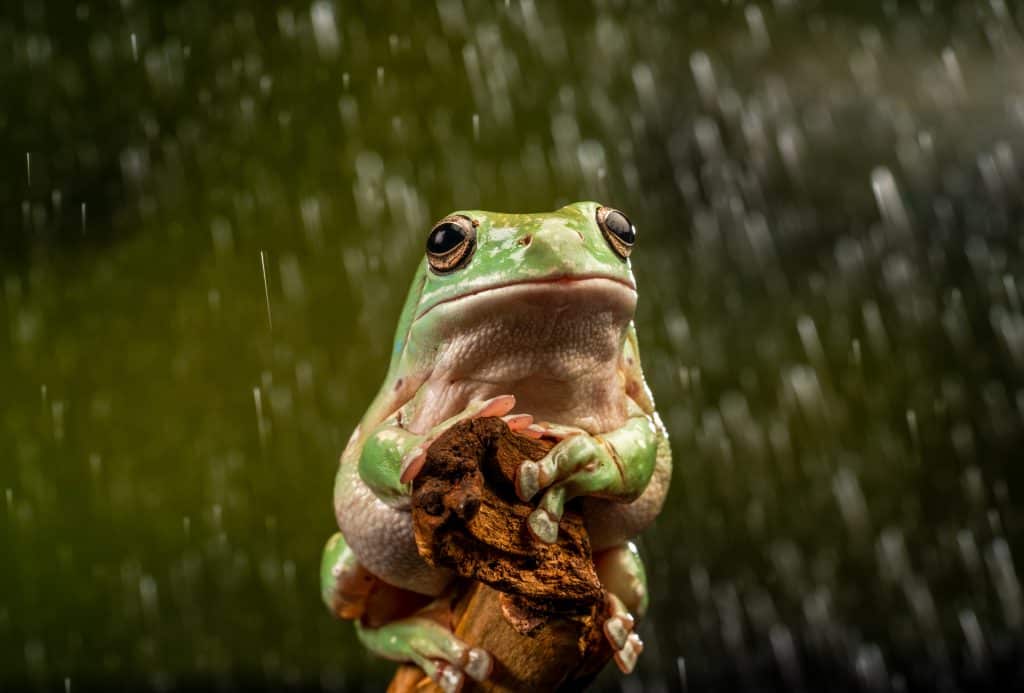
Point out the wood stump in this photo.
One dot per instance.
(537, 608)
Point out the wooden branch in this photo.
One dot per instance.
(537, 608)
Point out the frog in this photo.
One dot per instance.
(530, 318)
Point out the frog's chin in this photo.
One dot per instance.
(550, 298)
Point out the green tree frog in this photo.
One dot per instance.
(528, 317)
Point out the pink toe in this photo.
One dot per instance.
(498, 406)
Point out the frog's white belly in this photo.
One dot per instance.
(560, 358)
(559, 355)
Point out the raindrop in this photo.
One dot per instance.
(220, 230)
(1004, 578)
(57, 414)
(135, 48)
(261, 424)
(311, 221)
(758, 29)
(891, 550)
(912, 427)
(325, 28)
(704, 76)
(785, 653)
(953, 71)
(809, 339)
(28, 167)
(292, 285)
(875, 328)
(850, 498)
(148, 595)
(887, 196)
(266, 289)
(869, 663)
(973, 635)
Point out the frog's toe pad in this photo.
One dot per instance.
(478, 664)
(626, 656)
(527, 480)
(617, 630)
(543, 526)
(517, 422)
(449, 678)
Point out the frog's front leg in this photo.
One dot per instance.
(372, 496)
(616, 465)
(392, 455)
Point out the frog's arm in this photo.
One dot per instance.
(392, 455)
(617, 465)
(380, 462)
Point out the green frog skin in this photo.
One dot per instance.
(528, 317)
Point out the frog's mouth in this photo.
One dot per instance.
(596, 290)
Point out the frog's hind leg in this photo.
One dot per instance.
(345, 585)
(432, 646)
(397, 624)
(623, 576)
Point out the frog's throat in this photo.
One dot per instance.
(616, 285)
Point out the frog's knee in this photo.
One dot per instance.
(344, 583)
(622, 573)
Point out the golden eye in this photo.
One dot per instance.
(451, 243)
(618, 230)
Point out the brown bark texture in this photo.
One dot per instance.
(537, 608)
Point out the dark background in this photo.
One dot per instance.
(829, 199)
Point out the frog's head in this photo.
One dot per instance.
(472, 253)
(480, 266)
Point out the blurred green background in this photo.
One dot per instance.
(829, 199)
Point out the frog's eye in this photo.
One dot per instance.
(618, 230)
(451, 243)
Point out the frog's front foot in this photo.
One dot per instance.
(578, 464)
(435, 649)
(615, 465)
(412, 461)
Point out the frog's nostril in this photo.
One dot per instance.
(526, 240)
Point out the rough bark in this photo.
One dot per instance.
(536, 608)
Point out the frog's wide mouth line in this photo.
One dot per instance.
(561, 279)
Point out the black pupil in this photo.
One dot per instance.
(445, 238)
(618, 224)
